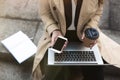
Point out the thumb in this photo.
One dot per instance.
(83, 35)
(52, 42)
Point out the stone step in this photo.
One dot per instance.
(11, 70)
(25, 9)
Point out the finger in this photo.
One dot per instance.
(53, 41)
(83, 35)
(65, 45)
(95, 42)
(91, 46)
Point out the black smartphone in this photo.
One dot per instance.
(59, 43)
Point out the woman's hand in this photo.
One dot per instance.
(88, 42)
(55, 35)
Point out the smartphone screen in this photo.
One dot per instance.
(59, 44)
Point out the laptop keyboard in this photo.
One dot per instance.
(75, 56)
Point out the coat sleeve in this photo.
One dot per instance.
(46, 16)
(94, 21)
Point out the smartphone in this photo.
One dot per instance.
(59, 43)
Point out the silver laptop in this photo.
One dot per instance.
(75, 54)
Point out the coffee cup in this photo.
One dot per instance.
(91, 34)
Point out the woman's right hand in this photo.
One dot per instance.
(55, 35)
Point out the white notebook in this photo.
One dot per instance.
(20, 46)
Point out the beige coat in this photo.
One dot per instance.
(52, 14)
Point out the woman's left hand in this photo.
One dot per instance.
(87, 42)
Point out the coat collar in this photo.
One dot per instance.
(60, 6)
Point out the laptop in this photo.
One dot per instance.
(75, 54)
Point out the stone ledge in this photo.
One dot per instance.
(113, 34)
(114, 19)
(39, 33)
(27, 9)
(11, 70)
(104, 22)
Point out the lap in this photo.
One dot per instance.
(66, 72)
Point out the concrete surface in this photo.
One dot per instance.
(114, 14)
(11, 26)
(113, 34)
(104, 23)
(11, 70)
(24, 9)
(23, 15)
(39, 32)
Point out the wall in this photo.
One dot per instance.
(114, 18)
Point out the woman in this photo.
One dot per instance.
(61, 18)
